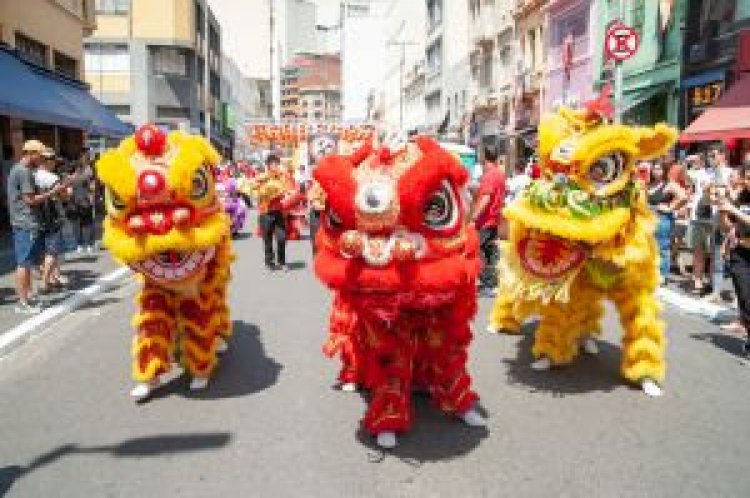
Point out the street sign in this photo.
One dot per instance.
(621, 42)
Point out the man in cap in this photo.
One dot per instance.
(24, 201)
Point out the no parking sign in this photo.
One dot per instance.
(621, 42)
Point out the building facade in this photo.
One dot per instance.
(48, 32)
(494, 57)
(570, 47)
(147, 64)
(41, 61)
(714, 32)
(651, 78)
(402, 86)
(311, 88)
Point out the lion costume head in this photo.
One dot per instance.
(164, 218)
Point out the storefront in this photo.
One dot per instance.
(38, 104)
(726, 120)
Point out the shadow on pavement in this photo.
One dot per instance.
(586, 374)
(244, 369)
(242, 236)
(729, 343)
(434, 436)
(141, 447)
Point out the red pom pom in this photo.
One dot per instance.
(385, 155)
(151, 141)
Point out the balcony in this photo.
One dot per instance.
(484, 27)
(434, 82)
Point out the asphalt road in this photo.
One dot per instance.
(270, 423)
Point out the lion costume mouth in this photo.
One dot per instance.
(548, 257)
(175, 266)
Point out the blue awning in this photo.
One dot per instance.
(24, 95)
(36, 95)
(102, 121)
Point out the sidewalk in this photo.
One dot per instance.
(81, 269)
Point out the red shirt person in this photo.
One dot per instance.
(487, 215)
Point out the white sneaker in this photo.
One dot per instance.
(28, 309)
(221, 345)
(387, 440)
(542, 363)
(473, 418)
(590, 346)
(651, 388)
(349, 387)
(198, 383)
(143, 389)
(90, 249)
(79, 249)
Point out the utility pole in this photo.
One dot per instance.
(618, 72)
(206, 74)
(402, 44)
(275, 104)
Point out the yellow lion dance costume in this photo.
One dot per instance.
(165, 221)
(583, 233)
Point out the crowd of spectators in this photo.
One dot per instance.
(52, 204)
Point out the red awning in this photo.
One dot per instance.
(728, 118)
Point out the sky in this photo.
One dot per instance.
(245, 34)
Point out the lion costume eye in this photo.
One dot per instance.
(200, 185)
(441, 209)
(607, 169)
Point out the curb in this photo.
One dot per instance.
(713, 312)
(18, 335)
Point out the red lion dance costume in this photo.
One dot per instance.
(395, 247)
(165, 221)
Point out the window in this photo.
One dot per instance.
(486, 69)
(112, 7)
(119, 110)
(434, 58)
(170, 61)
(31, 50)
(167, 112)
(67, 66)
(107, 58)
(532, 49)
(318, 115)
(434, 12)
(638, 14)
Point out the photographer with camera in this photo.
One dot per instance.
(52, 219)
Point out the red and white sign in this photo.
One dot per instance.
(621, 42)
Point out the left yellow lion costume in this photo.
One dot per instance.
(165, 221)
(581, 234)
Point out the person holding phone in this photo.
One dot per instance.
(24, 202)
(736, 216)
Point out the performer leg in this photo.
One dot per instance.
(266, 225)
(556, 339)
(199, 339)
(644, 343)
(444, 356)
(280, 234)
(390, 408)
(153, 344)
